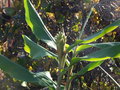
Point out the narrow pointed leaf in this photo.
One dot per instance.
(82, 47)
(73, 45)
(15, 70)
(97, 35)
(36, 51)
(36, 24)
(106, 53)
(101, 33)
(87, 68)
(45, 79)
(20, 73)
(97, 45)
(105, 45)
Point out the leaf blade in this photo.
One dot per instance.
(96, 36)
(101, 33)
(20, 73)
(36, 24)
(104, 54)
(23, 74)
(87, 68)
(36, 51)
(97, 45)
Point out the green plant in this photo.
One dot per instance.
(106, 51)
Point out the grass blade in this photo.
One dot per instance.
(36, 24)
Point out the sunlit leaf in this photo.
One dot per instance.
(36, 51)
(82, 47)
(75, 28)
(97, 35)
(103, 54)
(102, 32)
(36, 24)
(97, 45)
(87, 68)
(73, 45)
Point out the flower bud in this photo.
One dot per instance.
(60, 42)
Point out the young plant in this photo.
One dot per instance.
(106, 51)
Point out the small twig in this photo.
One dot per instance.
(68, 86)
(110, 76)
(86, 21)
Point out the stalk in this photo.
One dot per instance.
(59, 79)
(61, 67)
(85, 23)
(110, 76)
(61, 52)
(68, 85)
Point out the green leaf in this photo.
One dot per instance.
(105, 45)
(35, 22)
(36, 51)
(103, 54)
(45, 79)
(101, 33)
(73, 45)
(15, 70)
(9, 11)
(97, 45)
(82, 47)
(87, 1)
(87, 68)
(20, 73)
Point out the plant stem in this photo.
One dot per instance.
(110, 76)
(59, 79)
(61, 67)
(68, 83)
(85, 23)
